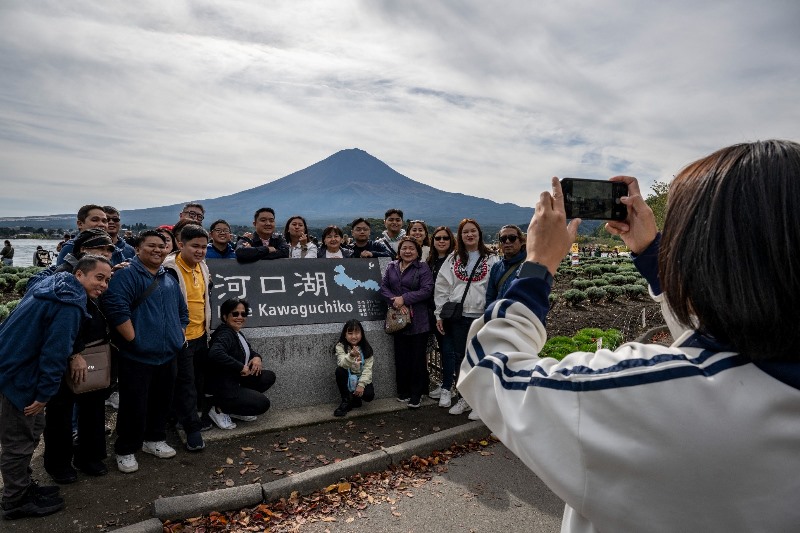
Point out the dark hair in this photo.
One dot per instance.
(461, 249)
(178, 227)
(262, 210)
(87, 263)
(161, 232)
(152, 233)
(332, 229)
(194, 204)
(514, 227)
(392, 211)
(409, 239)
(110, 210)
(359, 220)
(727, 262)
(353, 325)
(426, 238)
(217, 223)
(232, 303)
(434, 255)
(289, 221)
(192, 231)
(83, 212)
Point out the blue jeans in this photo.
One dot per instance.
(454, 347)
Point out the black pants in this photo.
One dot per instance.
(344, 392)
(145, 393)
(410, 366)
(189, 384)
(58, 448)
(250, 400)
(19, 436)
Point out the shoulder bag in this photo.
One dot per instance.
(98, 372)
(454, 310)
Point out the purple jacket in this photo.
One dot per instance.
(415, 286)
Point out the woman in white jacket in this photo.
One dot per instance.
(471, 258)
(697, 436)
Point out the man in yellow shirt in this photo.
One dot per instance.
(188, 266)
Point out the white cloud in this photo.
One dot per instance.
(147, 103)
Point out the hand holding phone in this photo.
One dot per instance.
(594, 199)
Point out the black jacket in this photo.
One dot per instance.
(258, 248)
(226, 359)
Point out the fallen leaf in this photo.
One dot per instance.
(229, 483)
(350, 519)
(343, 487)
(395, 513)
(247, 449)
(229, 461)
(243, 471)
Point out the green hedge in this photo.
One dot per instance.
(583, 341)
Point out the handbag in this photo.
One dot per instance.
(98, 373)
(396, 320)
(455, 310)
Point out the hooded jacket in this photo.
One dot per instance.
(38, 337)
(158, 321)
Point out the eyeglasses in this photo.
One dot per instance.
(221, 231)
(508, 238)
(442, 238)
(194, 215)
(238, 313)
(113, 219)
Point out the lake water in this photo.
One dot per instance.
(24, 248)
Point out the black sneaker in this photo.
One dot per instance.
(194, 441)
(206, 423)
(92, 468)
(46, 491)
(64, 476)
(343, 408)
(355, 402)
(33, 504)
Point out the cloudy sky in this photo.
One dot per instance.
(149, 103)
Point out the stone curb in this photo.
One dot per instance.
(147, 526)
(189, 505)
(179, 507)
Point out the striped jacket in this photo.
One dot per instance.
(691, 437)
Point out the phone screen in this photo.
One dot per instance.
(594, 199)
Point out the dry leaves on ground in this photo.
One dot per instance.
(330, 503)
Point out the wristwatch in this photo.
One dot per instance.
(530, 269)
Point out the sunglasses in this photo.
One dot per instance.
(238, 313)
(113, 219)
(441, 238)
(508, 238)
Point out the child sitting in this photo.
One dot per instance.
(354, 368)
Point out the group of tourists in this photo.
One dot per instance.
(150, 303)
(705, 426)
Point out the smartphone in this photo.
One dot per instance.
(594, 199)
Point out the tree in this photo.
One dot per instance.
(657, 200)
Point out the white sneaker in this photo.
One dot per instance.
(460, 407)
(444, 398)
(160, 449)
(473, 416)
(435, 393)
(222, 420)
(113, 400)
(127, 463)
(244, 418)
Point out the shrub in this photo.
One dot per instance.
(4, 312)
(21, 285)
(585, 341)
(11, 305)
(552, 298)
(609, 268)
(632, 279)
(617, 279)
(600, 282)
(574, 296)
(634, 291)
(595, 294)
(11, 279)
(613, 292)
(558, 347)
(592, 271)
(581, 284)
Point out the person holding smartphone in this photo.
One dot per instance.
(696, 436)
